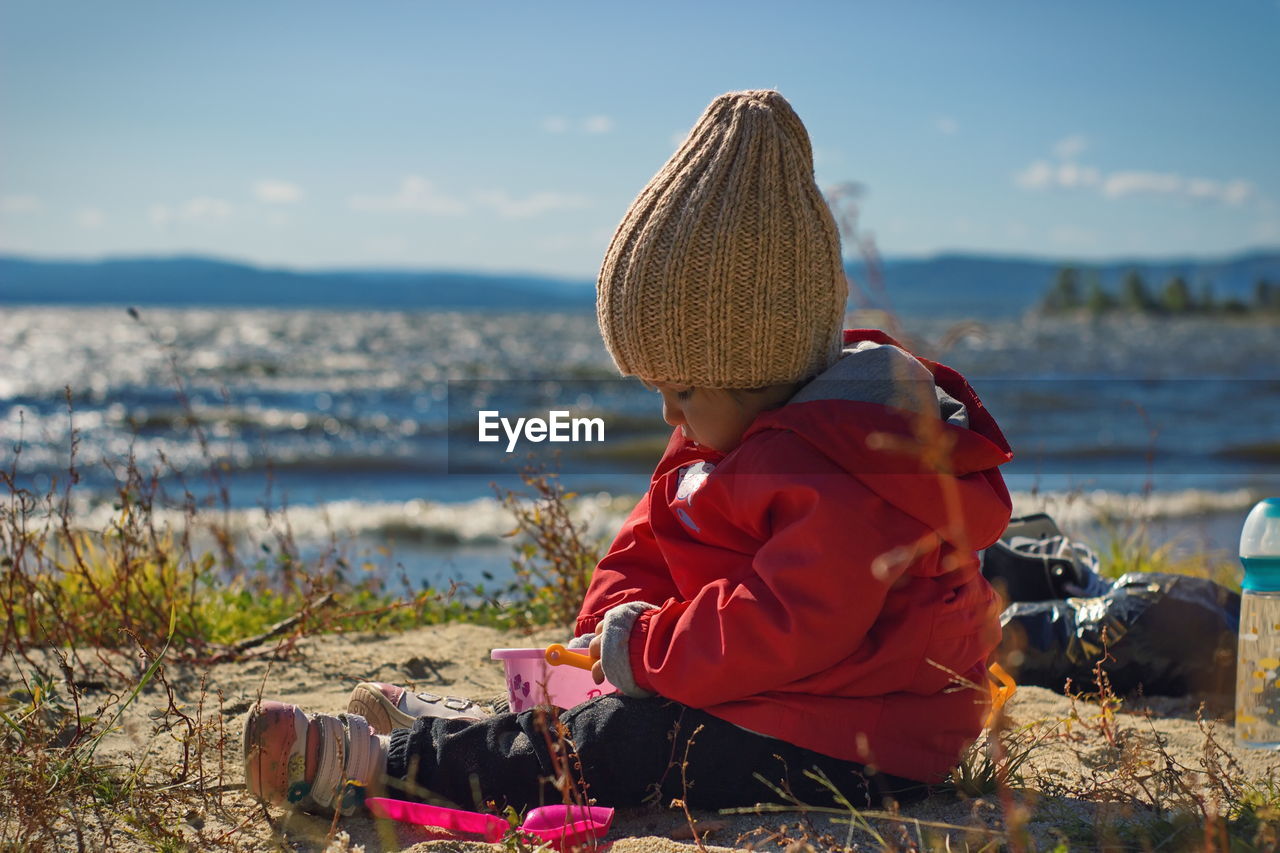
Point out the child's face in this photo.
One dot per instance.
(713, 417)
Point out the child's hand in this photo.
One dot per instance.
(597, 670)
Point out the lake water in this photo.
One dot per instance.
(364, 422)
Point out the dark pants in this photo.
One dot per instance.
(625, 752)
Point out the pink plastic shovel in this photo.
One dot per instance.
(564, 827)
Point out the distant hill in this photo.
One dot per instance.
(983, 285)
(204, 281)
(951, 284)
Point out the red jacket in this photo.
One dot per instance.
(820, 585)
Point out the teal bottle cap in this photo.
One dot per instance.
(1260, 547)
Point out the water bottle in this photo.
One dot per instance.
(1258, 661)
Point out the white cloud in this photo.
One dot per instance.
(271, 191)
(1037, 176)
(198, 209)
(20, 204)
(946, 125)
(1202, 188)
(1071, 147)
(590, 124)
(1234, 193)
(415, 195)
(1132, 183)
(420, 195)
(1044, 175)
(1072, 175)
(534, 205)
(90, 218)
(1237, 192)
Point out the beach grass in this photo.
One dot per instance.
(137, 598)
(1128, 548)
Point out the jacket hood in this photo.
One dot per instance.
(912, 430)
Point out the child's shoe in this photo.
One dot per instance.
(388, 707)
(319, 763)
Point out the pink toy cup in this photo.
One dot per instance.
(532, 681)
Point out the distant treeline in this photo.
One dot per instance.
(1071, 292)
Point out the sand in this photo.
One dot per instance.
(1074, 782)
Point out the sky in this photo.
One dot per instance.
(511, 136)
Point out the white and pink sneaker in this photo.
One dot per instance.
(388, 706)
(317, 762)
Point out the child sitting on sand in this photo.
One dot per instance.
(798, 589)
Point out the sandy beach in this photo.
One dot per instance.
(1090, 776)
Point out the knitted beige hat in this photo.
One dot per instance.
(726, 271)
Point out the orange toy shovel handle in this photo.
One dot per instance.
(558, 655)
(1002, 686)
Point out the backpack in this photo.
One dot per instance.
(1034, 561)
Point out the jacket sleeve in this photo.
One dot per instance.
(806, 600)
(633, 570)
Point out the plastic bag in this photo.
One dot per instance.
(1170, 634)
